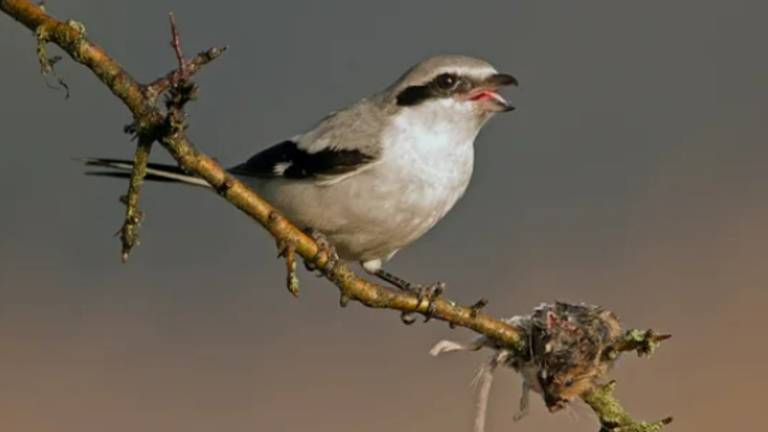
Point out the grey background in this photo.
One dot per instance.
(633, 175)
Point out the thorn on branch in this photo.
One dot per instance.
(408, 318)
(344, 300)
(477, 307)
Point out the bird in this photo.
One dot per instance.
(372, 178)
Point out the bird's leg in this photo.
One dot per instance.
(429, 292)
(324, 246)
(397, 281)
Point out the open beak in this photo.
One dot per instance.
(487, 95)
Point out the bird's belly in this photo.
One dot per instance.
(386, 218)
(374, 213)
(370, 215)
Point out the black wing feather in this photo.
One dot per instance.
(288, 160)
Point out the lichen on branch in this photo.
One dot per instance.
(613, 417)
(129, 232)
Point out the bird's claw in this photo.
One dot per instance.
(324, 246)
(430, 293)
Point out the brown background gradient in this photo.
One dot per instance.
(634, 174)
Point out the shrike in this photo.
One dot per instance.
(375, 176)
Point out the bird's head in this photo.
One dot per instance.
(458, 88)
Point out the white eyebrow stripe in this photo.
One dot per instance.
(474, 72)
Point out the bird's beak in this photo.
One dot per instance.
(487, 96)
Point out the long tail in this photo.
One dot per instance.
(121, 168)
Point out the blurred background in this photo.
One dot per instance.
(633, 175)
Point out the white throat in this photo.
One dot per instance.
(431, 148)
(435, 127)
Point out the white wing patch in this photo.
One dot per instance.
(280, 168)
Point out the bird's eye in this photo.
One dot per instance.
(568, 382)
(446, 81)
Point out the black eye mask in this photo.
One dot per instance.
(443, 85)
(414, 95)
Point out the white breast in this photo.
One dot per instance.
(425, 167)
(430, 153)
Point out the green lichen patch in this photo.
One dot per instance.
(613, 417)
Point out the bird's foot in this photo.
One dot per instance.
(430, 293)
(325, 247)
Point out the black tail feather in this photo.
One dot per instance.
(111, 163)
(121, 168)
(126, 175)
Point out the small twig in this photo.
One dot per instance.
(644, 342)
(344, 300)
(182, 89)
(176, 45)
(613, 417)
(181, 92)
(157, 87)
(47, 64)
(129, 233)
(478, 306)
(288, 251)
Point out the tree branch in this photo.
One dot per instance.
(149, 119)
(152, 123)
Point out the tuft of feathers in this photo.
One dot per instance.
(565, 355)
